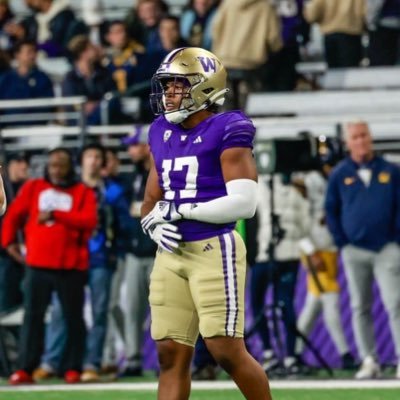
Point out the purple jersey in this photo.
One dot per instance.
(189, 167)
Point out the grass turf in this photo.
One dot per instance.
(278, 394)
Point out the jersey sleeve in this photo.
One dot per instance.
(238, 132)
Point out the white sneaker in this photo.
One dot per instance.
(369, 369)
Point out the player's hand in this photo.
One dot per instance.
(44, 216)
(163, 211)
(166, 236)
(14, 251)
(317, 262)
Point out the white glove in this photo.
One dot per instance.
(163, 211)
(166, 236)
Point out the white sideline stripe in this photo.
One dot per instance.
(210, 385)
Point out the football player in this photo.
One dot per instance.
(202, 179)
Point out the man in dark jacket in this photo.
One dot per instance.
(89, 79)
(363, 215)
(53, 26)
(59, 215)
(25, 81)
(11, 272)
(139, 257)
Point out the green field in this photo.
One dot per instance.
(278, 394)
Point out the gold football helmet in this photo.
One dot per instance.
(202, 75)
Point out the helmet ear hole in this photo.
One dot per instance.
(208, 90)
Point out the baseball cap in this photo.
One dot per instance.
(137, 136)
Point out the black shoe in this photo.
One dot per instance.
(293, 367)
(130, 372)
(348, 361)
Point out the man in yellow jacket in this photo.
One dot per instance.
(244, 49)
(342, 24)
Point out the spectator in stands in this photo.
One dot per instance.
(121, 55)
(142, 23)
(259, 25)
(6, 16)
(113, 216)
(59, 215)
(196, 22)
(93, 17)
(281, 270)
(169, 34)
(16, 29)
(89, 79)
(363, 214)
(53, 26)
(383, 18)
(281, 72)
(11, 272)
(28, 81)
(342, 23)
(139, 257)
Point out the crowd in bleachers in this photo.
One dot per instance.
(113, 58)
(110, 59)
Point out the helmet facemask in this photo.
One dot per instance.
(181, 86)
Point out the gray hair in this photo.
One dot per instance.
(348, 124)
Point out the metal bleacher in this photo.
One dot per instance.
(362, 78)
(370, 94)
(113, 9)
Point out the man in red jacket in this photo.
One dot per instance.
(58, 214)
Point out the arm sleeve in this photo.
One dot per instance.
(85, 218)
(333, 212)
(239, 203)
(16, 214)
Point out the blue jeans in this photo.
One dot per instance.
(99, 285)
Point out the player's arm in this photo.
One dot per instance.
(240, 175)
(153, 193)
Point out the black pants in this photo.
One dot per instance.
(38, 286)
(342, 50)
(384, 47)
(11, 275)
(280, 71)
(282, 275)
